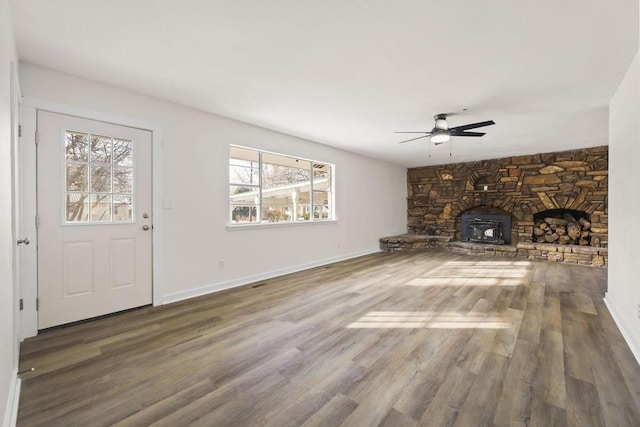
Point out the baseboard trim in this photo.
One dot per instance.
(631, 340)
(13, 400)
(217, 287)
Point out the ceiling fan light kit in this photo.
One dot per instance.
(441, 132)
(440, 136)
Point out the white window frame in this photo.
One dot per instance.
(259, 222)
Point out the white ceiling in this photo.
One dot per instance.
(348, 73)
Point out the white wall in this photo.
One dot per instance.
(371, 195)
(623, 296)
(7, 297)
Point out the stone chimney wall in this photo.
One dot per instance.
(521, 186)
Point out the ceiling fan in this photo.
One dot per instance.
(441, 131)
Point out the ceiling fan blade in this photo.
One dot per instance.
(471, 126)
(411, 132)
(413, 139)
(467, 133)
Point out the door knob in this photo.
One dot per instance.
(26, 241)
(145, 227)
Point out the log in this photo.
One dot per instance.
(540, 239)
(585, 223)
(570, 219)
(561, 230)
(564, 240)
(544, 226)
(538, 231)
(583, 242)
(573, 230)
(550, 238)
(555, 221)
(584, 234)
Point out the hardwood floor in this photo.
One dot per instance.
(432, 339)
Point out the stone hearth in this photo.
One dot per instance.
(521, 187)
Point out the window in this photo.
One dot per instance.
(273, 188)
(98, 178)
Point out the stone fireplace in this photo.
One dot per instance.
(526, 189)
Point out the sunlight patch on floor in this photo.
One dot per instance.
(428, 320)
(488, 263)
(462, 281)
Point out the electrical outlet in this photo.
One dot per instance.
(221, 264)
(638, 311)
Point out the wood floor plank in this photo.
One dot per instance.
(516, 399)
(403, 339)
(333, 413)
(444, 407)
(482, 399)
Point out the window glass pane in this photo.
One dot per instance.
(100, 207)
(76, 146)
(321, 212)
(243, 194)
(123, 208)
(240, 214)
(321, 198)
(100, 149)
(77, 207)
(281, 171)
(122, 179)
(244, 174)
(77, 177)
(321, 176)
(101, 179)
(276, 211)
(122, 152)
(244, 154)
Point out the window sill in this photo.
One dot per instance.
(238, 227)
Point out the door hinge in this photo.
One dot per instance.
(37, 221)
(37, 138)
(19, 131)
(21, 304)
(37, 304)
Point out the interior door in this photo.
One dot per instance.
(94, 192)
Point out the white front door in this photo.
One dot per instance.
(95, 222)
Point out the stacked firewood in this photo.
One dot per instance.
(564, 231)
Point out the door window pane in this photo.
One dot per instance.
(100, 149)
(76, 177)
(122, 180)
(122, 208)
(122, 152)
(77, 207)
(76, 146)
(100, 207)
(101, 179)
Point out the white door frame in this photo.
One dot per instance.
(30, 106)
(17, 252)
(16, 206)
